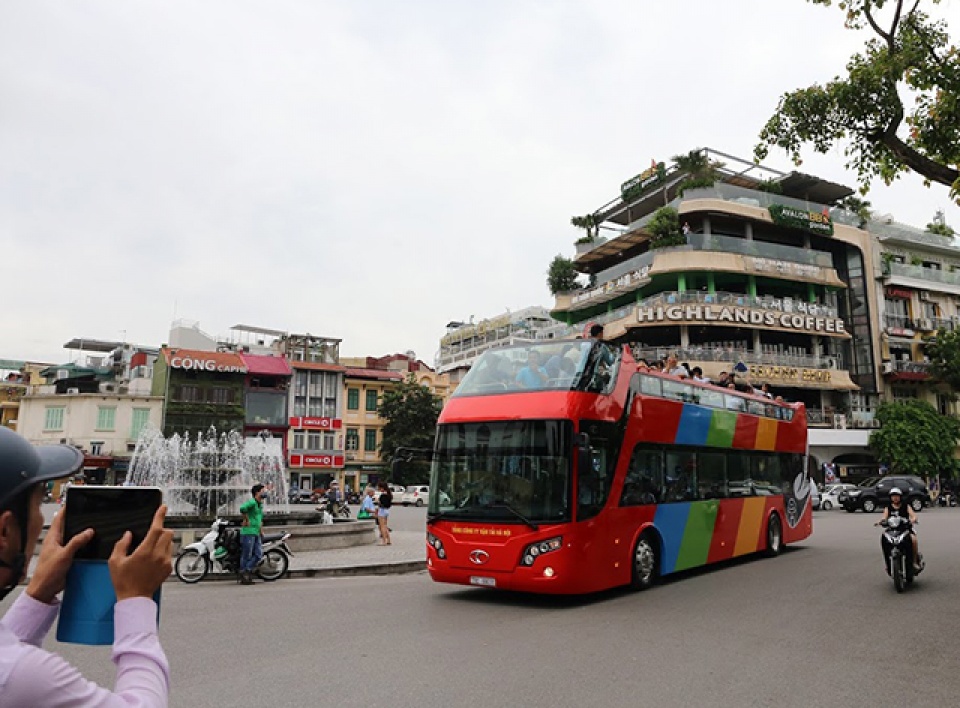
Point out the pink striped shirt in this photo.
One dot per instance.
(31, 677)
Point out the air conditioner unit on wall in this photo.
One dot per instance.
(927, 297)
(73, 390)
(887, 367)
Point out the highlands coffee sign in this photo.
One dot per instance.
(705, 314)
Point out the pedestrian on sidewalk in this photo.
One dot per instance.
(30, 676)
(383, 512)
(251, 546)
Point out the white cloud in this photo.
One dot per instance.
(363, 170)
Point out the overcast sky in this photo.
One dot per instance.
(362, 169)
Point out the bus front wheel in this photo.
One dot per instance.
(774, 536)
(645, 562)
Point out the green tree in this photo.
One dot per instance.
(908, 60)
(701, 172)
(943, 351)
(860, 207)
(411, 411)
(915, 438)
(561, 276)
(940, 228)
(665, 228)
(589, 223)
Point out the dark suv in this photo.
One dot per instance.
(874, 494)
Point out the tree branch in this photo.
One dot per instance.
(873, 23)
(916, 161)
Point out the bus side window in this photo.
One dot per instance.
(650, 386)
(712, 475)
(644, 481)
(735, 403)
(681, 476)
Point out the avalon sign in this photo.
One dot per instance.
(816, 221)
(740, 315)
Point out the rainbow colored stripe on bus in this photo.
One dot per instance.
(677, 423)
(695, 533)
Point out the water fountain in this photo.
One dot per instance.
(210, 475)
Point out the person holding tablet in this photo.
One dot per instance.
(31, 676)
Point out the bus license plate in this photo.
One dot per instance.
(484, 582)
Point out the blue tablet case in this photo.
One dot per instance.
(86, 613)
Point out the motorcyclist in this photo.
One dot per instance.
(897, 507)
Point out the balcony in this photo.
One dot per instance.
(903, 325)
(733, 353)
(906, 370)
(901, 234)
(922, 277)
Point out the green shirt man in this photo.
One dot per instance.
(252, 511)
(251, 547)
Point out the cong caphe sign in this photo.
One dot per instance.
(202, 364)
(740, 315)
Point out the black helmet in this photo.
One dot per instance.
(22, 465)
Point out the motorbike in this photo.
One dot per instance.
(338, 509)
(219, 552)
(897, 548)
(946, 499)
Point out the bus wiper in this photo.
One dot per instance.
(524, 519)
(431, 518)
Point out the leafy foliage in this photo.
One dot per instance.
(940, 228)
(770, 185)
(915, 438)
(589, 223)
(561, 275)
(943, 351)
(860, 207)
(665, 228)
(910, 58)
(701, 172)
(411, 411)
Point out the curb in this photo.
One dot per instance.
(343, 571)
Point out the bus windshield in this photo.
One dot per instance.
(580, 365)
(505, 472)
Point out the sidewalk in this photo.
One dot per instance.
(406, 554)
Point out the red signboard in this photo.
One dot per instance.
(316, 423)
(316, 460)
(899, 292)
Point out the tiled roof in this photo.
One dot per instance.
(267, 365)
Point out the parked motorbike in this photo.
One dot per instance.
(336, 510)
(897, 548)
(219, 552)
(947, 499)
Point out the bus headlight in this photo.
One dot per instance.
(531, 552)
(437, 545)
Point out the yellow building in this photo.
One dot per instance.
(17, 378)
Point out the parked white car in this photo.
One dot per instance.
(831, 493)
(397, 491)
(418, 495)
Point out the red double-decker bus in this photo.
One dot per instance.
(563, 468)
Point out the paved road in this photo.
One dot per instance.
(814, 627)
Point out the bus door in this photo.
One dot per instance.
(595, 477)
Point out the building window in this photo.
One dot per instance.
(353, 399)
(96, 448)
(298, 440)
(141, 416)
(54, 418)
(300, 406)
(106, 417)
(329, 440)
(315, 409)
(353, 439)
(188, 394)
(313, 441)
(903, 393)
(370, 440)
(929, 310)
(371, 400)
(944, 404)
(221, 395)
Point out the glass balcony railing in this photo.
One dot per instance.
(736, 351)
(753, 197)
(765, 302)
(724, 244)
(911, 235)
(919, 272)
